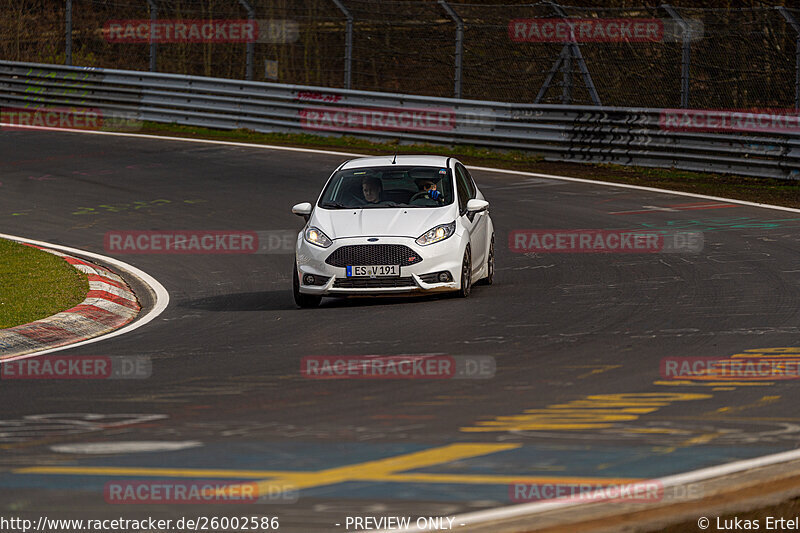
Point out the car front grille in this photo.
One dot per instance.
(373, 254)
(373, 283)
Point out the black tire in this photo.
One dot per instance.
(303, 300)
(466, 275)
(489, 279)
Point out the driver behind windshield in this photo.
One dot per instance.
(372, 189)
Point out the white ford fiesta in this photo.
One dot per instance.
(394, 225)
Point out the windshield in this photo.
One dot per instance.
(392, 186)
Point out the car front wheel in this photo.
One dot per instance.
(490, 264)
(466, 275)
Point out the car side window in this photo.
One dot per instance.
(461, 188)
(470, 183)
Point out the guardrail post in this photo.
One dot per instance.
(153, 18)
(796, 27)
(686, 54)
(68, 33)
(251, 46)
(459, 46)
(348, 44)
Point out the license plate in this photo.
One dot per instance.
(373, 271)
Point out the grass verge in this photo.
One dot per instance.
(762, 190)
(36, 284)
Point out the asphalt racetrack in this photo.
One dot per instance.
(579, 342)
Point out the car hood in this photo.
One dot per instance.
(380, 222)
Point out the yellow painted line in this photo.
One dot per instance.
(389, 469)
(700, 439)
(382, 468)
(533, 427)
(149, 472)
(765, 400)
(666, 431)
(715, 383)
(664, 449)
(596, 369)
(596, 411)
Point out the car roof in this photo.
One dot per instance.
(405, 160)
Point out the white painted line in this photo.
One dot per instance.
(93, 448)
(351, 154)
(527, 509)
(160, 304)
(637, 187)
(186, 139)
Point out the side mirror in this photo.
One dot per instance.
(302, 210)
(475, 205)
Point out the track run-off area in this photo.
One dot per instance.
(580, 394)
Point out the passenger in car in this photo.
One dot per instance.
(429, 187)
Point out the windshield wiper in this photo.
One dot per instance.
(335, 205)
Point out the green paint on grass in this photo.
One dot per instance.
(35, 284)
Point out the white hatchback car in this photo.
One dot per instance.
(389, 225)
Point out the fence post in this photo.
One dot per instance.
(153, 18)
(68, 33)
(566, 89)
(796, 27)
(686, 54)
(348, 44)
(459, 46)
(251, 46)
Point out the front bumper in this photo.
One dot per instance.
(438, 257)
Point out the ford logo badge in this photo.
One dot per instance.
(372, 239)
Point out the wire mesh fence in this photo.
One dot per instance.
(733, 58)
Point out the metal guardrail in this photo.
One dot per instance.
(626, 136)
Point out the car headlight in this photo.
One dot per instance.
(439, 233)
(317, 237)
